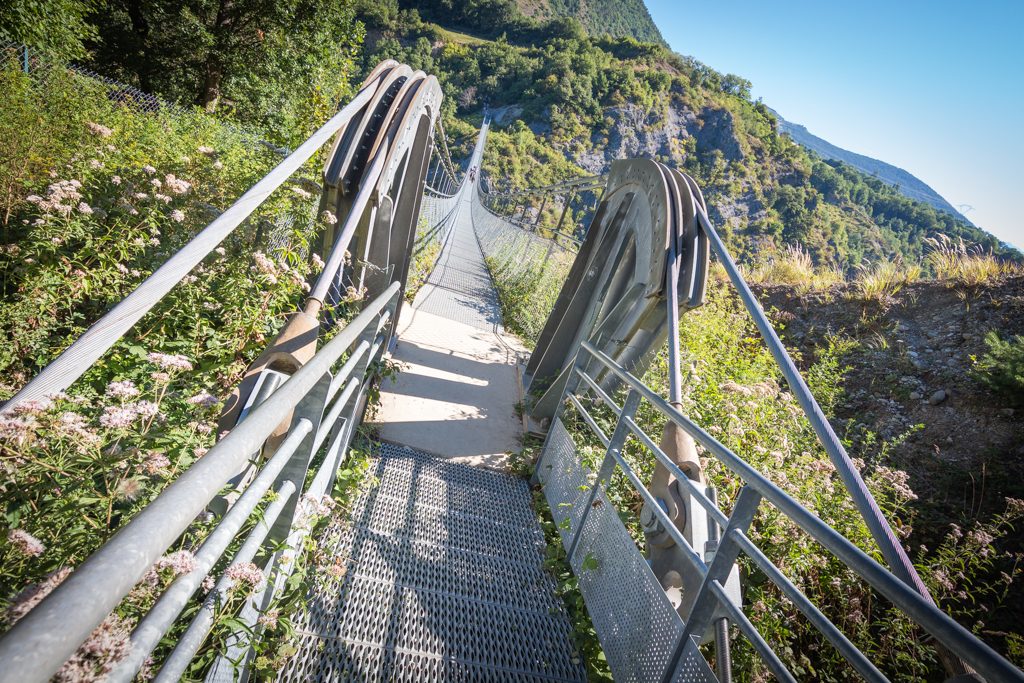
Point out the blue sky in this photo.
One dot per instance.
(936, 88)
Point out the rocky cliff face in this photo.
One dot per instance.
(635, 132)
(669, 135)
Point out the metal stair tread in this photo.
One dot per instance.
(438, 576)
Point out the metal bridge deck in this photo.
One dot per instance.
(439, 577)
(460, 381)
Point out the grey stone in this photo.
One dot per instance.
(915, 396)
(938, 397)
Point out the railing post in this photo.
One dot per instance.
(311, 408)
(615, 444)
(565, 210)
(701, 615)
(543, 203)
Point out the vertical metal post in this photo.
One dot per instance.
(543, 203)
(723, 659)
(725, 557)
(570, 386)
(432, 182)
(615, 443)
(24, 57)
(565, 210)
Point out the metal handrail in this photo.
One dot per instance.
(36, 647)
(686, 215)
(104, 333)
(933, 620)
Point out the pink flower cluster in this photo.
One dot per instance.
(179, 562)
(176, 185)
(169, 361)
(204, 399)
(266, 266)
(32, 595)
(245, 574)
(25, 543)
(99, 654)
(122, 389)
(155, 462)
(120, 417)
(61, 197)
(17, 429)
(97, 129)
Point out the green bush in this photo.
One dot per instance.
(89, 218)
(1001, 368)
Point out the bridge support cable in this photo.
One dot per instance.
(640, 264)
(290, 421)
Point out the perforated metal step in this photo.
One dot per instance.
(440, 578)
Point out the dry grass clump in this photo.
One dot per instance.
(795, 267)
(971, 266)
(884, 279)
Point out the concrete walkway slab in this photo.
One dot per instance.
(456, 394)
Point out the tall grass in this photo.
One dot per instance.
(971, 266)
(796, 268)
(884, 279)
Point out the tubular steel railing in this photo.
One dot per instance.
(569, 205)
(295, 413)
(651, 638)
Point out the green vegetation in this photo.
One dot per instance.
(735, 390)
(584, 97)
(615, 18)
(1001, 369)
(96, 195)
(279, 67)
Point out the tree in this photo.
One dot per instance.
(58, 26)
(275, 63)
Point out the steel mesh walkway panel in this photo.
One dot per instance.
(460, 288)
(439, 577)
(639, 629)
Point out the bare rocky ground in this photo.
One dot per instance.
(913, 365)
(912, 372)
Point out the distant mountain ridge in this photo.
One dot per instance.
(908, 184)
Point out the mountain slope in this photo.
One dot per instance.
(908, 184)
(572, 103)
(616, 18)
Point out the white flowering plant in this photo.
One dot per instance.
(86, 218)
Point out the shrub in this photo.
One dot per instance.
(117, 194)
(1001, 368)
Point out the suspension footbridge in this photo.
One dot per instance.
(439, 573)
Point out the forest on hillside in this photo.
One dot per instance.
(280, 67)
(570, 90)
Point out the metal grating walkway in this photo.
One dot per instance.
(439, 578)
(460, 287)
